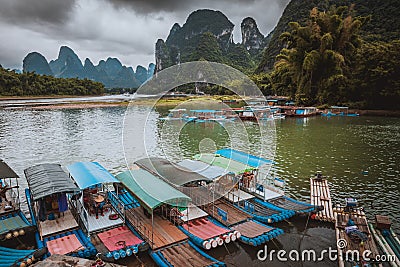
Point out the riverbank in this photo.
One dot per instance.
(76, 102)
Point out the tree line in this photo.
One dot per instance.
(32, 84)
(326, 62)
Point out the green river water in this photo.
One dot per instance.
(344, 149)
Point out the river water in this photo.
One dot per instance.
(360, 156)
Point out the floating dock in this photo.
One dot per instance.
(345, 243)
(321, 197)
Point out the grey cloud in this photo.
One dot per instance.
(39, 11)
(154, 6)
(98, 29)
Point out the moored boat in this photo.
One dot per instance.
(100, 211)
(159, 201)
(246, 169)
(47, 201)
(338, 111)
(354, 235)
(175, 114)
(13, 223)
(209, 198)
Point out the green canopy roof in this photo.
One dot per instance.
(228, 164)
(150, 190)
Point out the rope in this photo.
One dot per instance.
(301, 240)
(141, 262)
(291, 224)
(229, 256)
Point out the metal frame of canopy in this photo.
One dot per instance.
(7, 173)
(92, 174)
(46, 180)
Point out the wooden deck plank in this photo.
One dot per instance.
(164, 234)
(235, 215)
(64, 223)
(182, 255)
(251, 229)
(360, 220)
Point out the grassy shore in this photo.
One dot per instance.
(163, 102)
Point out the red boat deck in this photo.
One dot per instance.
(204, 228)
(64, 245)
(122, 235)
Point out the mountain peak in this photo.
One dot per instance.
(252, 39)
(36, 62)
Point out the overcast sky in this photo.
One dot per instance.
(97, 29)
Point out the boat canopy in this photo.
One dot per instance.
(47, 179)
(204, 169)
(87, 174)
(6, 171)
(225, 163)
(242, 157)
(151, 191)
(172, 173)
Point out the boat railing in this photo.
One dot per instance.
(145, 233)
(83, 213)
(15, 197)
(118, 205)
(13, 194)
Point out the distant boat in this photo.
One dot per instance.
(175, 114)
(338, 111)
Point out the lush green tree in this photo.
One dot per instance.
(29, 83)
(376, 82)
(314, 65)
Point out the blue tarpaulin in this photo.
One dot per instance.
(87, 174)
(242, 157)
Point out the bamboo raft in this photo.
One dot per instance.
(360, 220)
(183, 254)
(321, 197)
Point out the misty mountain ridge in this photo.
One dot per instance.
(110, 72)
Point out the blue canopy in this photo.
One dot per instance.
(87, 174)
(242, 157)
